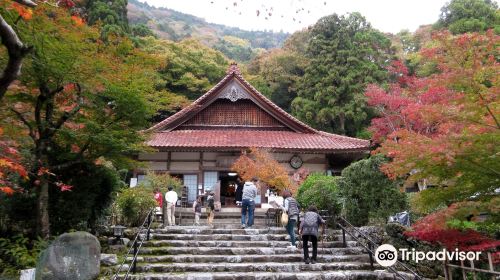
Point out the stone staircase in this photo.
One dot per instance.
(229, 252)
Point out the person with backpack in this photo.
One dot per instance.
(291, 207)
(309, 231)
(210, 208)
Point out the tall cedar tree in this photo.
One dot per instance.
(345, 54)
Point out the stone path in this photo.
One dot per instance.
(228, 252)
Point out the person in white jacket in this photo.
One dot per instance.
(171, 199)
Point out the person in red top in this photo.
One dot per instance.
(159, 199)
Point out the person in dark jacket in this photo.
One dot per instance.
(239, 191)
(309, 231)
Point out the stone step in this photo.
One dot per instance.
(239, 237)
(298, 257)
(250, 267)
(219, 215)
(190, 222)
(236, 229)
(309, 275)
(224, 210)
(230, 251)
(237, 244)
(211, 237)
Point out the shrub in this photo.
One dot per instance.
(320, 190)
(17, 253)
(162, 182)
(134, 204)
(368, 194)
(88, 200)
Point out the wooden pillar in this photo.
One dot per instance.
(200, 174)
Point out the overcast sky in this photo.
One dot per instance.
(291, 15)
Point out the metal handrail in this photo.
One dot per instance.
(134, 247)
(372, 244)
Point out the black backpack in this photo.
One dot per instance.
(211, 203)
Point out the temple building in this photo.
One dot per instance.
(200, 143)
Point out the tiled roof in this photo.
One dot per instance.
(166, 134)
(236, 139)
(200, 103)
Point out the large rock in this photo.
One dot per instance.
(72, 256)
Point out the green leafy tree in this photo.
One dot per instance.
(345, 55)
(235, 48)
(161, 181)
(141, 30)
(279, 71)
(190, 68)
(322, 191)
(368, 194)
(462, 16)
(111, 14)
(77, 102)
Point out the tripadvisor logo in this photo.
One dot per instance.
(386, 255)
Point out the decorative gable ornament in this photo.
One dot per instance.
(234, 94)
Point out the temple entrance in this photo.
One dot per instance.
(228, 187)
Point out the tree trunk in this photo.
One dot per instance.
(16, 50)
(43, 225)
(342, 123)
(42, 162)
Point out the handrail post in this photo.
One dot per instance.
(343, 238)
(134, 260)
(149, 225)
(370, 247)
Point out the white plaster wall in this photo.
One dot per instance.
(185, 155)
(154, 156)
(157, 165)
(209, 156)
(209, 163)
(315, 167)
(184, 166)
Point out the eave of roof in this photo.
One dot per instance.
(240, 139)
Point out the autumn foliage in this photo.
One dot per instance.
(10, 166)
(433, 229)
(261, 164)
(443, 125)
